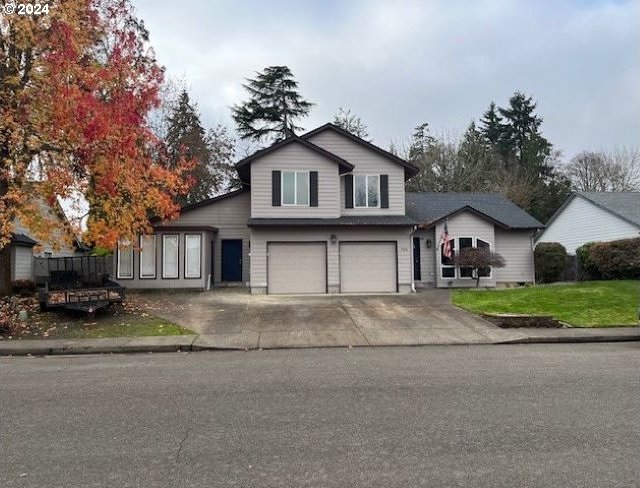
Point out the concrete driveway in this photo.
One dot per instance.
(233, 318)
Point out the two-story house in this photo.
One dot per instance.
(325, 212)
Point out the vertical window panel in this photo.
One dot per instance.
(170, 256)
(125, 260)
(148, 256)
(302, 188)
(360, 191)
(288, 188)
(193, 252)
(373, 191)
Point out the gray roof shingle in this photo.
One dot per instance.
(427, 208)
(625, 204)
(22, 240)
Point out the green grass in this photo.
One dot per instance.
(584, 304)
(114, 322)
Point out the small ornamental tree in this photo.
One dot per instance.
(480, 260)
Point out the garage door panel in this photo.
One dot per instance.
(368, 267)
(296, 267)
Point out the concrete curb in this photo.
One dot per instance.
(130, 345)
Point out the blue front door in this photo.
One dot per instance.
(232, 260)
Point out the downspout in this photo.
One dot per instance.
(413, 276)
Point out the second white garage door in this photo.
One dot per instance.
(296, 267)
(368, 267)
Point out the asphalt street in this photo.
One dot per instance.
(451, 416)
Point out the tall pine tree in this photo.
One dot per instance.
(491, 125)
(273, 107)
(211, 153)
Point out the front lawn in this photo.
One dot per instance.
(126, 320)
(584, 304)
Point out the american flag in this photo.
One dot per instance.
(446, 240)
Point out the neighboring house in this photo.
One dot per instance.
(325, 212)
(23, 244)
(473, 220)
(593, 216)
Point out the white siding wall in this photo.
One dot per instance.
(581, 221)
(260, 237)
(516, 249)
(365, 161)
(465, 224)
(21, 263)
(291, 158)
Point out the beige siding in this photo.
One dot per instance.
(365, 161)
(260, 238)
(294, 157)
(230, 217)
(581, 221)
(516, 249)
(465, 224)
(427, 257)
(54, 244)
(21, 263)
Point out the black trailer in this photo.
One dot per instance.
(79, 283)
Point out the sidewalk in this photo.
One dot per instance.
(253, 341)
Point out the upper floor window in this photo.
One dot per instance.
(366, 191)
(295, 188)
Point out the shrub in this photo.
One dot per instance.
(616, 260)
(550, 262)
(23, 288)
(587, 268)
(479, 260)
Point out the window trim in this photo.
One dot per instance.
(155, 257)
(186, 255)
(118, 275)
(295, 188)
(366, 180)
(163, 275)
(456, 243)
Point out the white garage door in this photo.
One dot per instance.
(368, 267)
(296, 267)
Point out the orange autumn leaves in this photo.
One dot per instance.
(77, 89)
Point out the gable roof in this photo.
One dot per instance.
(410, 169)
(244, 165)
(203, 203)
(22, 240)
(624, 204)
(428, 208)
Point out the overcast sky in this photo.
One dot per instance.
(399, 63)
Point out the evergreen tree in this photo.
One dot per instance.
(521, 136)
(491, 125)
(210, 153)
(273, 107)
(350, 122)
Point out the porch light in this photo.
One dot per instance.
(429, 243)
(333, 238)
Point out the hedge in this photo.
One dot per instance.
(550, 262)
(615, 260)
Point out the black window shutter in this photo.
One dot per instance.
(348, 191)
(313, 188)
(384, 191)
(275, 188)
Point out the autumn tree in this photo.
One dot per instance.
(211, 152)
(352, 123)
(76, 87)
(273, 107)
